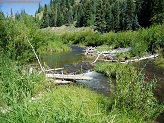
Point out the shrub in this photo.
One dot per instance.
(130, 92)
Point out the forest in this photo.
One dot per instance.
(31, 97)
(105, 15)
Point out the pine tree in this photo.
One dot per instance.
(157, 12)
(45, 19)
(116, 15)
(130, 14)
(145, 13)
(39, 9)
(136, 23)
(80, 16)
(100, 22)
(123, 19)
(92, 12)
(69, 16)
(87, 13)
(108, 16)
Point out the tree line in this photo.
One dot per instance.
(105, 15)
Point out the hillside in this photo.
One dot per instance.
(105, 15)
(65, 29)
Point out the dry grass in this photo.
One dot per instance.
(65, 29)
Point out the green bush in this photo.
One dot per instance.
(130, 92)
(15, 35)
(142, 41)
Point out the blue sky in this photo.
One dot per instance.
(30, 6)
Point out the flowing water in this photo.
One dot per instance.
(76, 62)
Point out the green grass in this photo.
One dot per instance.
(130, 92)
(106, 68)
(69, 104)
(142, 41)
(17, 84)
(159, 62)
(131, 98)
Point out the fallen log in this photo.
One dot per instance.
(132, 60)
(56, 69)
(62, 82)
(97, 58)
(111, 53)
(140, 59)
(68, 77)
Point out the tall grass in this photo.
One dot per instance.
(15, 84)
(131, 99)
(52, 43)
(159, 62)
(69, 104)
(131, 94)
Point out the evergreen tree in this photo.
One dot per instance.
(136, 23)
(40, 8)
(75, 12)
(45, 19)
(100, 22)
(130, 14)
(116, 15)
(60, 18)
(108, 16)
(87, 12)
(69, 16)
(158, 12)
(145, 13)
(80, 16)
(123, 19)
(92, 17)
(17, 16)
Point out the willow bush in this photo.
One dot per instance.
(15, 35)
(142, 41)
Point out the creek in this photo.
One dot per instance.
(75, 62)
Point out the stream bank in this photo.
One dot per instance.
(75, 62)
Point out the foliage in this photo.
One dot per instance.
(142, 41)
(16, 33)
(16, 84)
(86, 38)
(159, 62)
(62, 104)
(106, 68)
(130, 92)
(49, 42)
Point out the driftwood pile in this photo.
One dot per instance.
(110, 55)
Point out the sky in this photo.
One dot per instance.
(30, 6)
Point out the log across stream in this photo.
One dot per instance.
(68, 77)
(77, 61)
